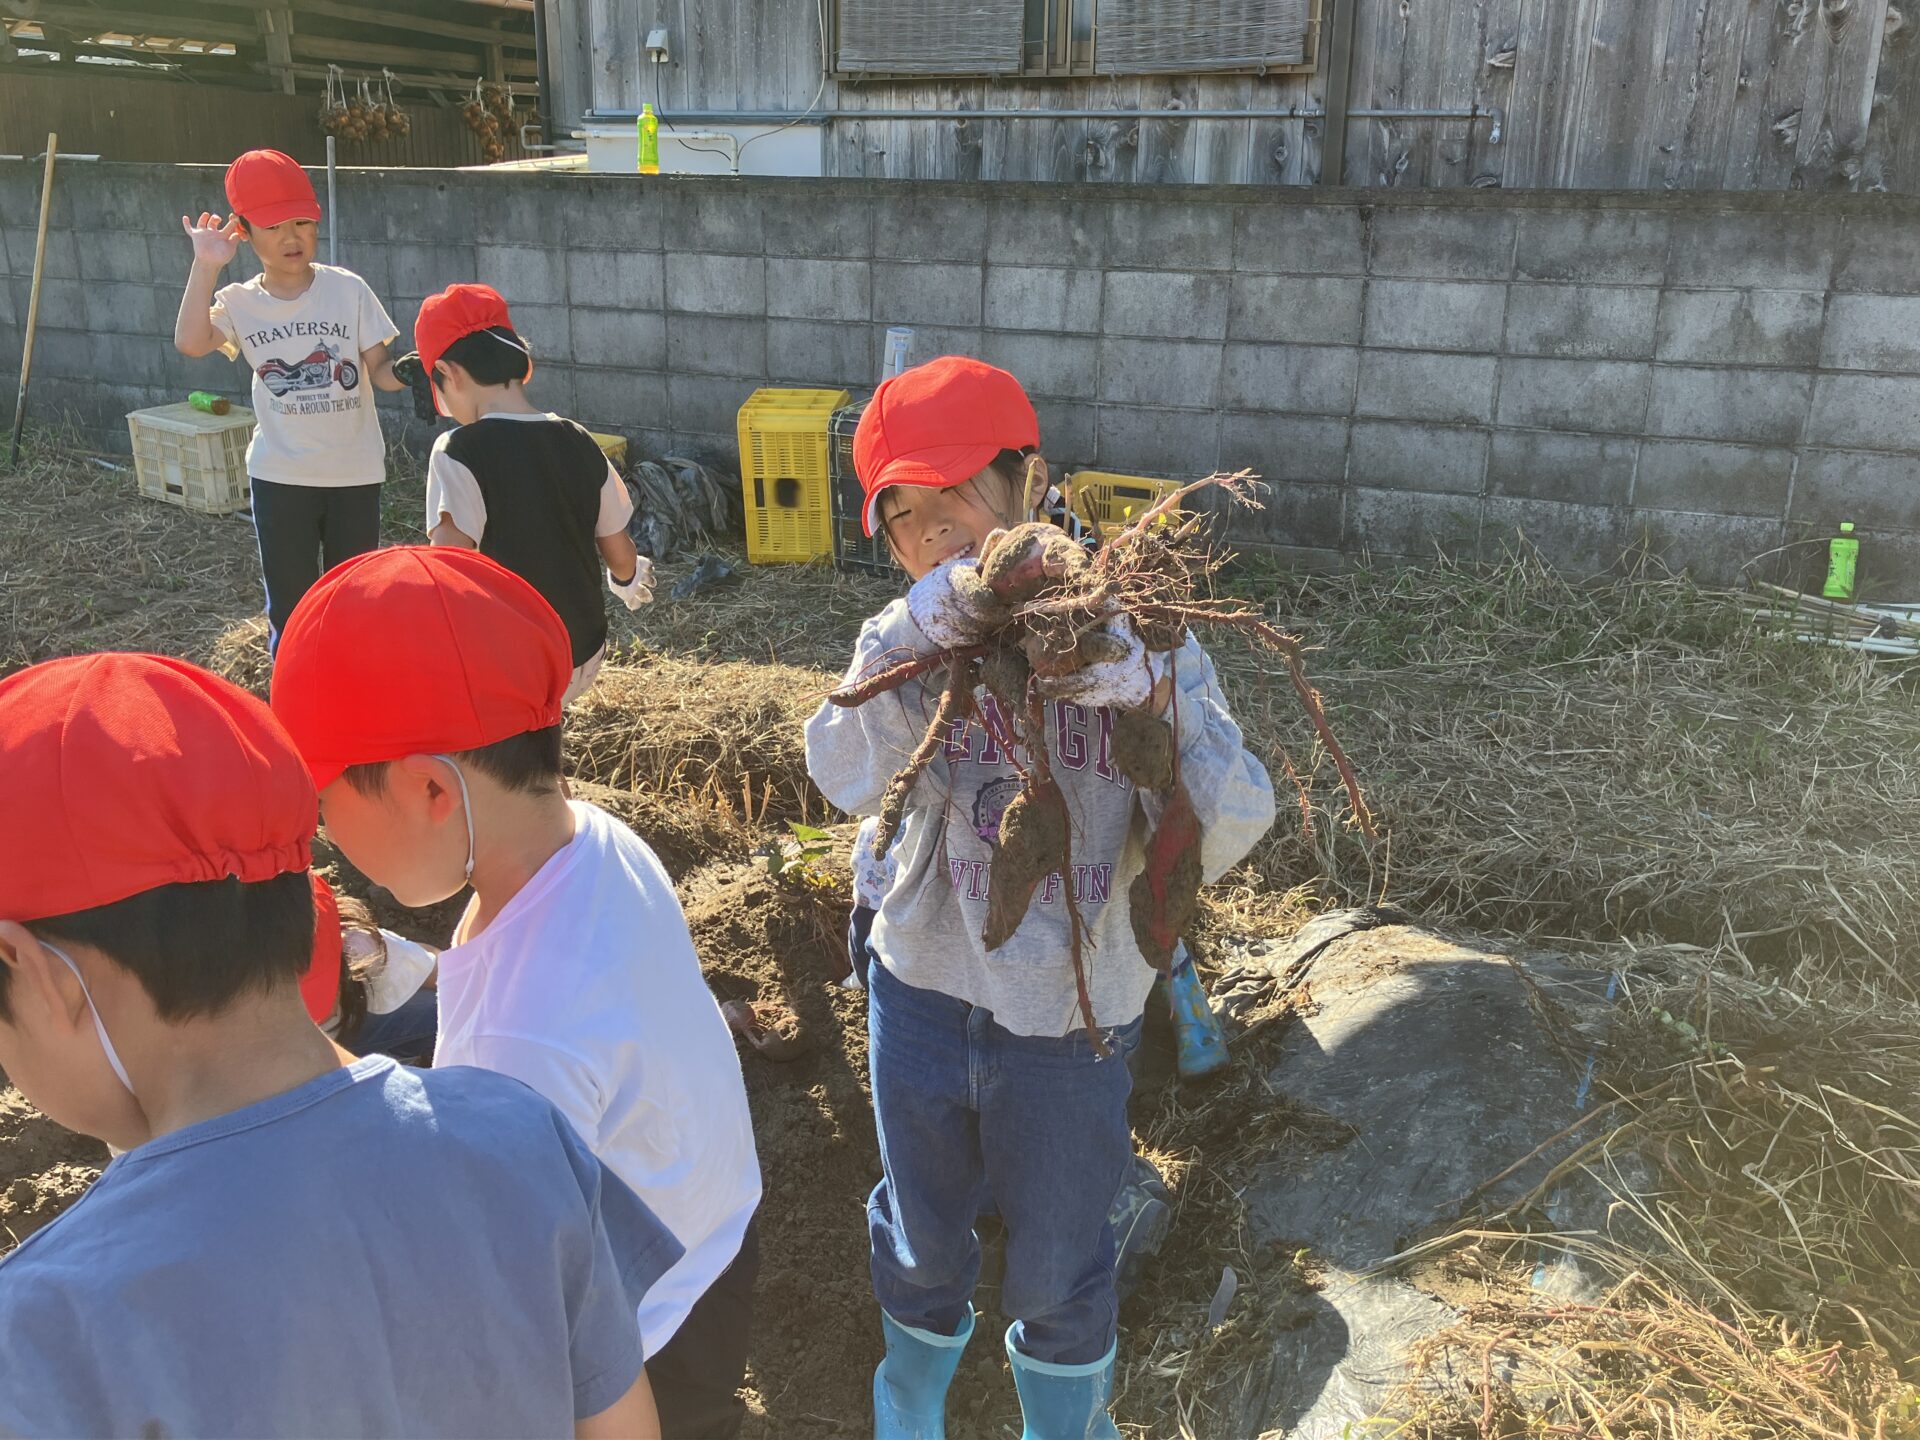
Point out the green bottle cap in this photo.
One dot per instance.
(1846, 527)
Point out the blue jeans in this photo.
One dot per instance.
(971, 1115)
(406, 1034)
(859, 927)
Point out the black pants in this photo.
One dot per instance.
(298, 525)
(696, 1377)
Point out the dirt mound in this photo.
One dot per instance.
(730, 733)
(685, 833)
(240, 655)
(816, 1338)
(43, 1168)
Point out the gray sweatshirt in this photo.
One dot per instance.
(928, 929)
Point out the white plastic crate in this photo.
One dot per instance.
(187, 457)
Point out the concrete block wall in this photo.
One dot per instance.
(1711, 375)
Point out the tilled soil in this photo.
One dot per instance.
(43, 1168)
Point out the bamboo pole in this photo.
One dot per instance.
(33, 299)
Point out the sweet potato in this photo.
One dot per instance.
(1049, 656)
(1029, 558)
(963, 674)
(1165, 895)
(1143, 749)
(1033, 844)
(1005, 672)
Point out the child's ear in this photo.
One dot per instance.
(38, 981)
(425, 781)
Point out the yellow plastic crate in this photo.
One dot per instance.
(189, 458)
(1114, 500)
(785, 474)
(614, 447)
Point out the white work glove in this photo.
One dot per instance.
(950, 617)
(1123, 683)
(638, 590)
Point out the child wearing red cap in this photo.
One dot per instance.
(293, 1242)
(572, 968)
(529, 489)
(315, 338)
(985, 1086)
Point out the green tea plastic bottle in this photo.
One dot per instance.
(649, 131)
(1843, 559)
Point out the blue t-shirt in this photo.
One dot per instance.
(381, 1251)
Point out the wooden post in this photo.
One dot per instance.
(276, 31)
(33, 299)
(1337, 52)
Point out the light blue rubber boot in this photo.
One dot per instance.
(1200, 1045)
(1064, 1402)
(910, 1386)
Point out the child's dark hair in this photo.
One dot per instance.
(492, 357)
(528, 763)
(195, 948)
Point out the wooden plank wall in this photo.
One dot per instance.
(163, 121)
(1620, 94)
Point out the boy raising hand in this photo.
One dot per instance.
(315, 338)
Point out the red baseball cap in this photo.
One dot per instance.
(320, 985)
(939, 424)
(456, 312)
(123, 773)
(417, 649)
(267, 188)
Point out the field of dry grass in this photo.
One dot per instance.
(1628, 770)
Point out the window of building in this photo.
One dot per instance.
(1075, 37)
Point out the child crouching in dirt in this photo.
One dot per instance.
(571, 968)
(984, 1081)
(369, 990)
(529, 489)
(294, 1242)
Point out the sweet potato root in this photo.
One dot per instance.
(1033, 844)
(1143, 749)
(963, 674)
(1049, 603)
(1164, 895)
(1030, 558)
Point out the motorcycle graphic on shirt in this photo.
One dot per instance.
(319, 371)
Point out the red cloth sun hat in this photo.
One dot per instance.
(320, 985)
(267, 188)
(123, 773)
(417, 650)
(453, 314)
(939, 424)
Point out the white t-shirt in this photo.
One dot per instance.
(315, 421)
(453, 491)
(586, 987)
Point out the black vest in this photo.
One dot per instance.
(541, 482)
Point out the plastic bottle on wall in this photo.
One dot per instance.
(649, 133)
(1843, 559)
